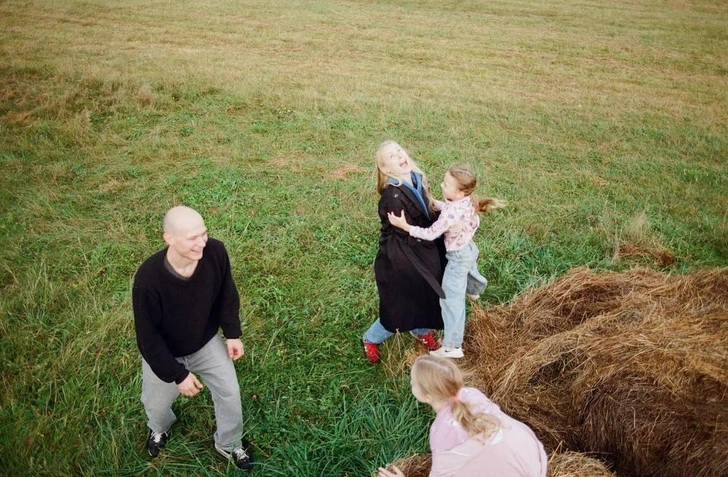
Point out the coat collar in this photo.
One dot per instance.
(407, 190)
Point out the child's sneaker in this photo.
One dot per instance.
(371, 351)
(444, 352)
(428, 340)
(472, 297)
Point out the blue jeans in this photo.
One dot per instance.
(377, 333)
(461, 277)
(216, 370)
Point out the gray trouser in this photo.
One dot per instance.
(215, 369)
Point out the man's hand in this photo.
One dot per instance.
(191, 386)
(395, 472)
(398, 221)
(235, 348)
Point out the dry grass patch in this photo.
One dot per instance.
(466, 55)
(639, 243)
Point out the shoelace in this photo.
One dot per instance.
(239, 454)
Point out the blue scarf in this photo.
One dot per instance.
(416, 189)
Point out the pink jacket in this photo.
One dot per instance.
(512, 451)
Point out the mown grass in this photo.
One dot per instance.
(603, 126)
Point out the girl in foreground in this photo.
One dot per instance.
(471, 436)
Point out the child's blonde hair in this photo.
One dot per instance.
(467, 182)
(442, 380)
(383, 179)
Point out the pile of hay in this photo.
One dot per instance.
(575, 464)
(630, 366)
(417, 465)
(566, 464)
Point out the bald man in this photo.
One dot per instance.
(182, 296)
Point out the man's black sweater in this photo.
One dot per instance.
(176, 317)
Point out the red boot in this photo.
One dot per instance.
(429, 341)
(371, 351)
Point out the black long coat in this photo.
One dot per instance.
(408, 270)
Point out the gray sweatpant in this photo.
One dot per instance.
(215, 369)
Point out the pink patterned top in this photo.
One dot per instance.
(451, 213)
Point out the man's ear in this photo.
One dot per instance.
(168, 238)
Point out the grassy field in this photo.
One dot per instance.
(604, 125)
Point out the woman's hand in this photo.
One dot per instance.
(394, 473)
(457, 227)
(398, 221)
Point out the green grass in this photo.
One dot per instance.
(602, 125)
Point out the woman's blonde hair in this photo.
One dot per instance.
(442, 380)
(383, 179)
(467, 182)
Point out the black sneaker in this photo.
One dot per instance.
(156, 441)
(238, 456)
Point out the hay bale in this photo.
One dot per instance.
(574, 464)
(561, 464)
(631, 366)
(417, 465)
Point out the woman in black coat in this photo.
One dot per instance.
(408, 270)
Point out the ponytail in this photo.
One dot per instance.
(480, 424)
(487, 205)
